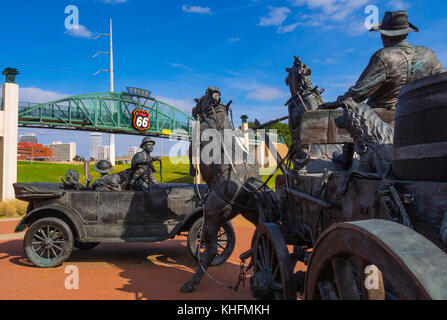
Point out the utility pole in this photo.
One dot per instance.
(112, 85)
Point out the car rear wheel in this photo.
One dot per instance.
(226, 241)
(48, 242)
(85, 246)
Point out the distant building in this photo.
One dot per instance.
(104, 153)
(133, 151)
(63, 152)
(95, 144)
(34, 152)
(256, 145)
(28, 138)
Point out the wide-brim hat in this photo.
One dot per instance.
(395, 23)
(103, 167)
(211, 90)
(147, 140)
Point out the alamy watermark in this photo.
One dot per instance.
(72, 281)
(373, 16)
(228, 146)
(72, 20)
(372, 278)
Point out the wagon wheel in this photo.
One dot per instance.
(272, 268)
(375, 260)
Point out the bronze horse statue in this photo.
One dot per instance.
(305, 97)
(233, 185)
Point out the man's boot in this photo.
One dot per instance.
(346, 159)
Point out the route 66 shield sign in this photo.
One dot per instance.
(141, 120)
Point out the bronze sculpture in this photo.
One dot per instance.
(107, 182)
(373, 138)
(233, 187)
(305, 97)
(71, 181)
(142, 170)
(389, 69)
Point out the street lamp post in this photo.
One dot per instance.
(112, 85)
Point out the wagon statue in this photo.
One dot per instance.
(386, 217)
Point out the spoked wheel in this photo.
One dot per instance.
(375, 260)
(273, 275)
(48, 242)
(226, 242)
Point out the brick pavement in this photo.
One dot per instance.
(153, 271)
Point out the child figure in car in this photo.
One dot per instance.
(107, 182)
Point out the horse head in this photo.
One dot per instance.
(300, 84)
(298, 78)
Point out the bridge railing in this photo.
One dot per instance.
(106, 112)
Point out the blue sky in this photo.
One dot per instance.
(177, 49)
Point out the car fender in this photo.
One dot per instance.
(190, 218)
(53, 211)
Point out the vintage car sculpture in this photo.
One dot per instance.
(59, 219)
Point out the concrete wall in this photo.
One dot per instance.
(282, 149)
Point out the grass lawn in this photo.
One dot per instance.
(175, 171)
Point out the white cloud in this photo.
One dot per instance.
(232, 40)
(326, 61)
(81, 32)
(39, 95)
(183, 104)
(398, 4)
(267, 94)
(288, 28)
(196, 9)
(333, 14)
(332, 9)
(181, 66)
(276, 17)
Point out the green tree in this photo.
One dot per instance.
(282, 129)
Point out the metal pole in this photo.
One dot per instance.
(112, 86)
(112, 89)
(161, 144)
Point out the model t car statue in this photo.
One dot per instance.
(63, 216)
(385, 219)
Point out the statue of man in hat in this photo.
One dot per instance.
(388, 70)
(107, 182)
(142, 170)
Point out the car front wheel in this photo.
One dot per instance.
(226, 241)
(48, 242)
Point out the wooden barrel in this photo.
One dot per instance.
(420, 137)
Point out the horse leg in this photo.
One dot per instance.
(343, 188)
(213, 222)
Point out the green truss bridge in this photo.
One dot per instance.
(107, 112)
